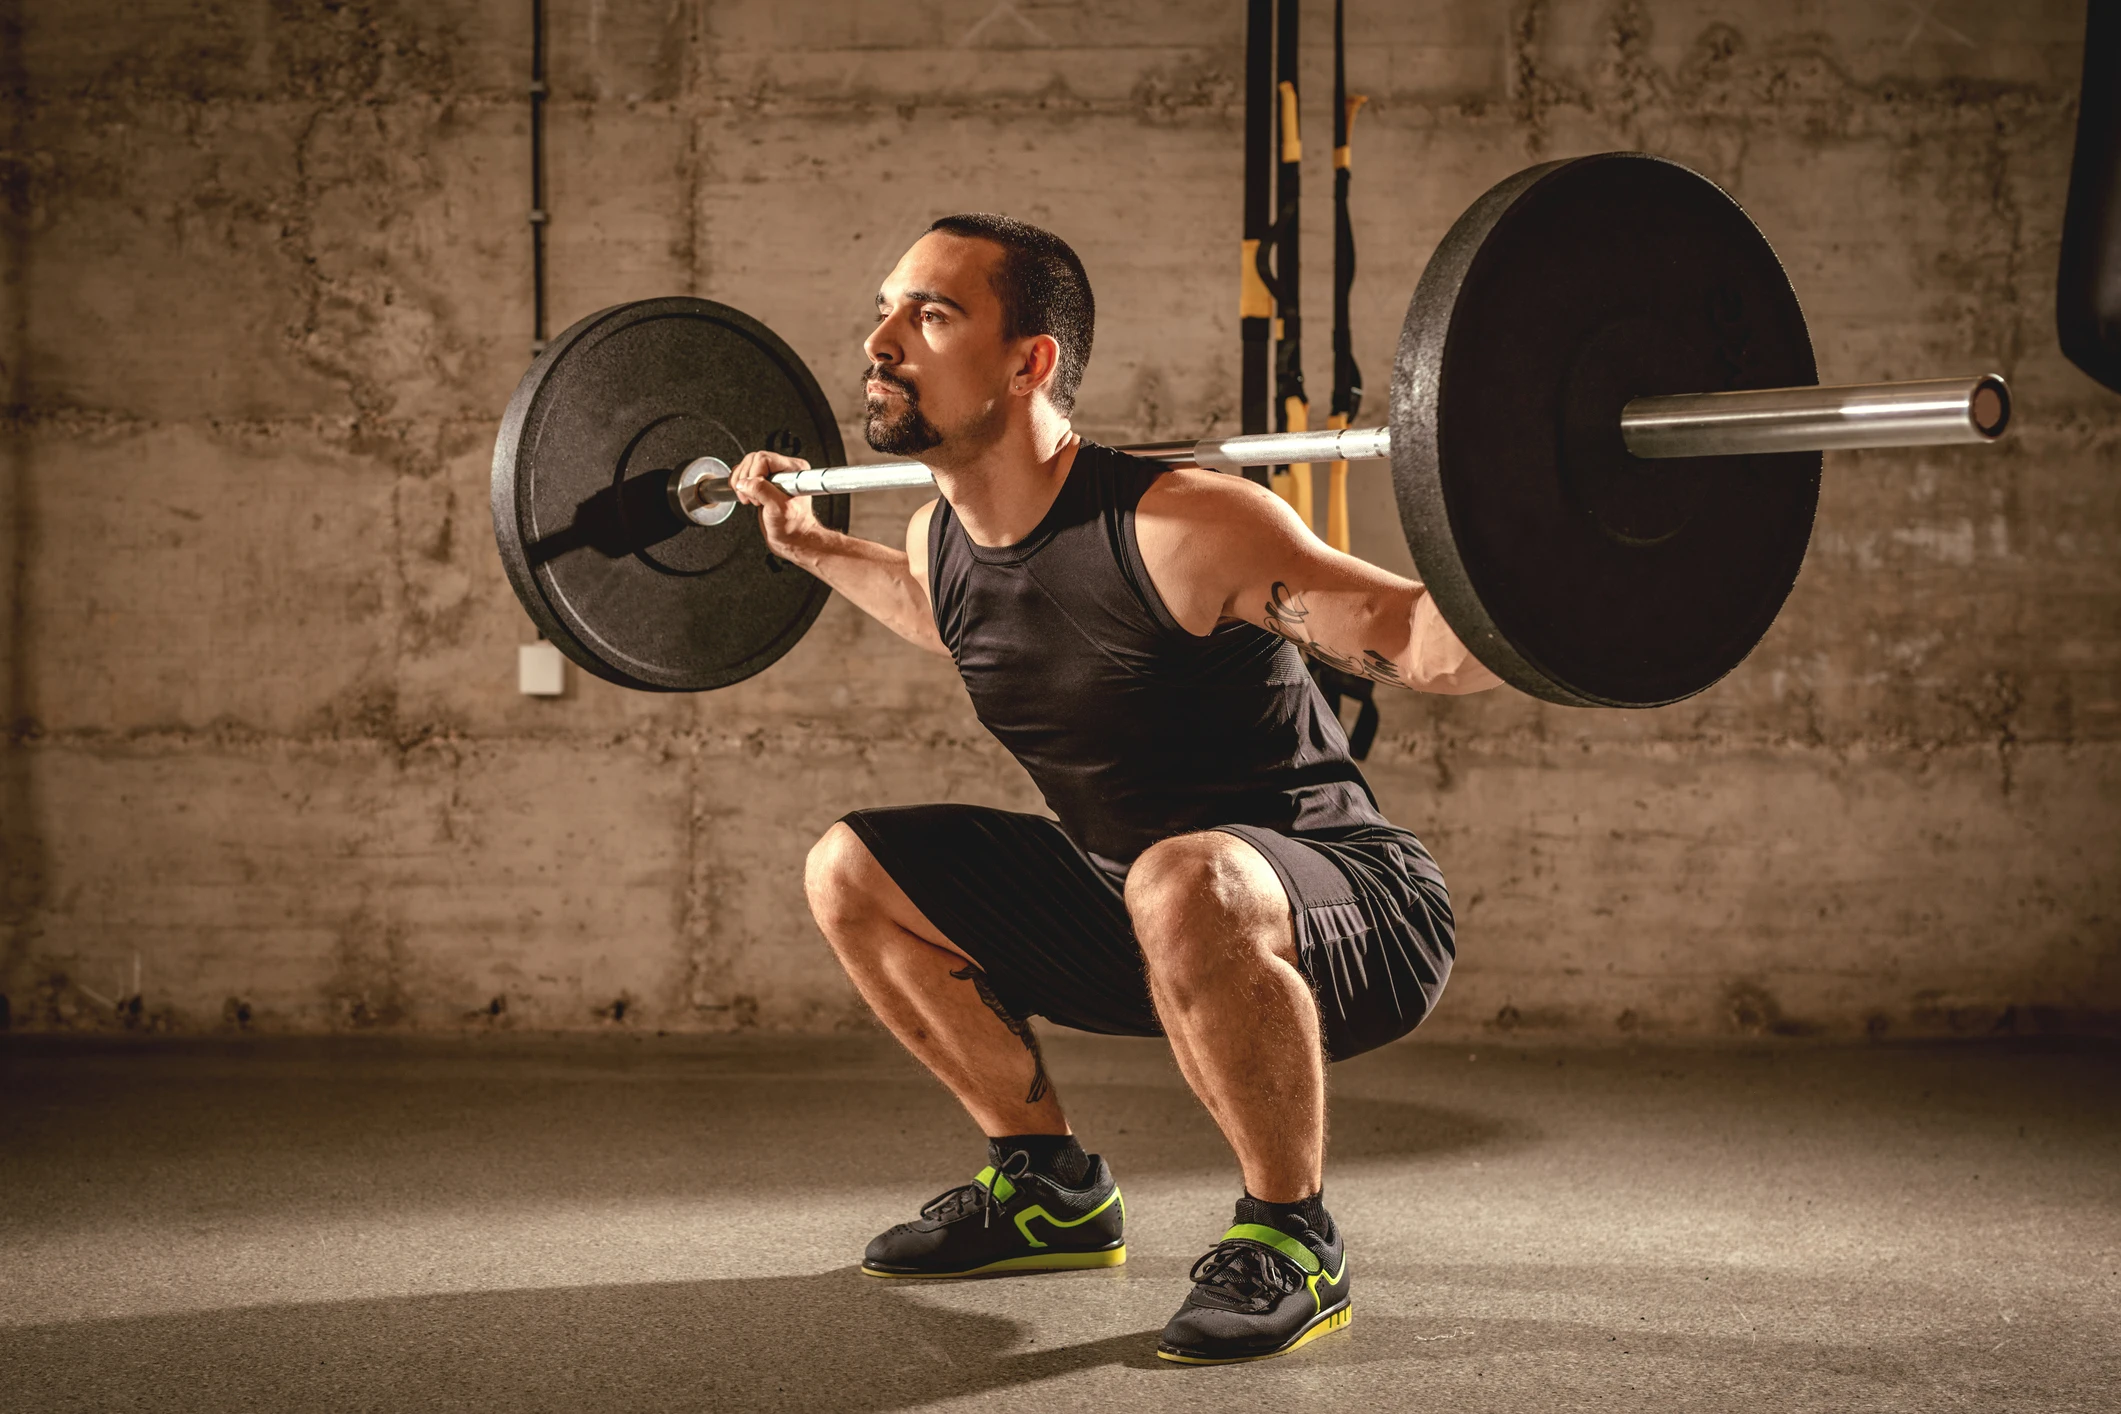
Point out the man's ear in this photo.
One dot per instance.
(1041, 359)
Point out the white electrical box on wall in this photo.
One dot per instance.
(540, 670)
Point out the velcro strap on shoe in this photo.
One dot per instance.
(1277, 1239)
(996, 1183)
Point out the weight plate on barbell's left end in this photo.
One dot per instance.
(1576, 571)
(611, 574)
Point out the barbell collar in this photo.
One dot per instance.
(1927, 412)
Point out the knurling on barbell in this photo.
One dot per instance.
(1604, 441)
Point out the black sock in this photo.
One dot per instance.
(1056, 1156)
(1288, 1217)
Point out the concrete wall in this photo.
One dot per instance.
(267, 288)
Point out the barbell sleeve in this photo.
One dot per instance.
(1923, 413)
(1916, 414)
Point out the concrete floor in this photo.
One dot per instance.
(663, 1224)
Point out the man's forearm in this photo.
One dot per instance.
(877, 578)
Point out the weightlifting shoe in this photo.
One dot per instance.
(1005, 1221)
(1261, 1292)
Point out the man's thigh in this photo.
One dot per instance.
(1373, 924)
(1013, 893)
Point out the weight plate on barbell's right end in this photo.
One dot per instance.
(1577, 572)
(619, 581)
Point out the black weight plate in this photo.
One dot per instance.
(1575, 571)
(616, 579)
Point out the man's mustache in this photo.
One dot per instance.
(879, 374)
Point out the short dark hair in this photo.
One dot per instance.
(1043, 290)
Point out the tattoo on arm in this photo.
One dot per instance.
(1286, 613)
(1018, 1028)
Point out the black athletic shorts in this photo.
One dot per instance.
(1048, 924)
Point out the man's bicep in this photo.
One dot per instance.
(1351, 615)
(1221, 548)
(1214, 544)
(1342, 611)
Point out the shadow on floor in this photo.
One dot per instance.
(279, 1130)
(838, 1341)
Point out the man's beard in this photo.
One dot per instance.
(902, 431)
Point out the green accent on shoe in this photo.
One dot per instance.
(1319, 1326)
(1333, 1280)
(996, 1183)
(1035, 1262)
(1281, 1242)
(1023, 1219)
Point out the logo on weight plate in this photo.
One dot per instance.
(784, 443)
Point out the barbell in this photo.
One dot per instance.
(1605, 441)
(1905, 414)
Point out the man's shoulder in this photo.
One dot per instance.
(1196, 494)
(1114, 460)
(1190, 499)
(1203, 536)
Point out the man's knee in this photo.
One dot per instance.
(1199, 900)
(844, 882)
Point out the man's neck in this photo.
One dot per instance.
(1002, 492)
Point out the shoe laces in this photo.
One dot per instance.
(1245, 1274)
(975, 1197)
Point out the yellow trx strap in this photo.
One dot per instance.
(1337, 494)
(1337, 472)
(1293, 484)
(1254, 301)
(1341, 158)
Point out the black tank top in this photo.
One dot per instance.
(1134, 729)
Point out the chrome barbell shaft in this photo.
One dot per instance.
(1934, 410)
(1330, 444)
(700, 492)
(1937, 410)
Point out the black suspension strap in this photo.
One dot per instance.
(1291, 405)
(1347, 377)
(1255, 304)
(1347, 385)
